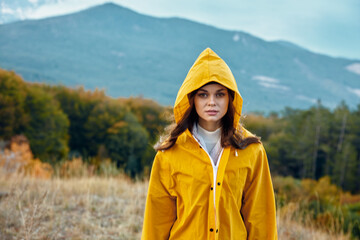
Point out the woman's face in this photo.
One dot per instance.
(211, 104)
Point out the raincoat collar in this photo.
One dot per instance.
(215, 152)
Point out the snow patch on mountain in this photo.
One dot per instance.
(355, 91)
(306, 70)
(269, 82)
(265, 79)
(118, 53)
(236, 37)
(355, 68)
(305, 98)
(137, 28)
(275, 86)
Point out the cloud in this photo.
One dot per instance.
(6, 10)
(61, 7)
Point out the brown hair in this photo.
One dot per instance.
(229, 135)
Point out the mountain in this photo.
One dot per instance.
(130, 54)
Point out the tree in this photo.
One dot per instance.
(13, 119)
(126, 143)
(78, 105)
(104, 115)
(151, 115)
(47, 129)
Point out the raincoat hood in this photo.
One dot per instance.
(208, 67)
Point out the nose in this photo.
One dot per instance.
(211, 100)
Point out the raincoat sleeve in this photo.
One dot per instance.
(160, 209)
(258, 207)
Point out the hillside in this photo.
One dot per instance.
(130, 54)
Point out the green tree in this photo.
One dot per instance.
(13, 119)
(355, 129)
(47, 129)
(103, 116)
(151, 115)
(127, 142)
(78, 105)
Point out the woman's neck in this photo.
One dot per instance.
(209, 126)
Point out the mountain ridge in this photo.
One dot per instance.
(130, 54)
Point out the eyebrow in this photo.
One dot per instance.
(220, 90)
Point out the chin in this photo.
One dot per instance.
(212, 120)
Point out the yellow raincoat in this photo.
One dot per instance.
(180, 202)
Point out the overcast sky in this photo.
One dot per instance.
(325, 26)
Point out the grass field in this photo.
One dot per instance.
(94, 208)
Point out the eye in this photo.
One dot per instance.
(221, 94)
(202, 95)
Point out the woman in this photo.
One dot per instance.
(210, 178)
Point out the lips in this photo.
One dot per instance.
(212, 112)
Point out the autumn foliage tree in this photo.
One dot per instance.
(62, 123)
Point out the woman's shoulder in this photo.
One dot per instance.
(184, 143)
(181, 143)
(244, 132)
(168, 152)
(257, 148)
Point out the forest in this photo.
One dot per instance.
(61, 123)
(314, 154)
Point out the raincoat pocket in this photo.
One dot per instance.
(191, 182)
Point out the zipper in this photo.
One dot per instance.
(215, 169)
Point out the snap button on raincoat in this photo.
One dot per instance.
(180, 200)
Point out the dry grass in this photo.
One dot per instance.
(290, 229)
(84, 208)
(93, 208)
